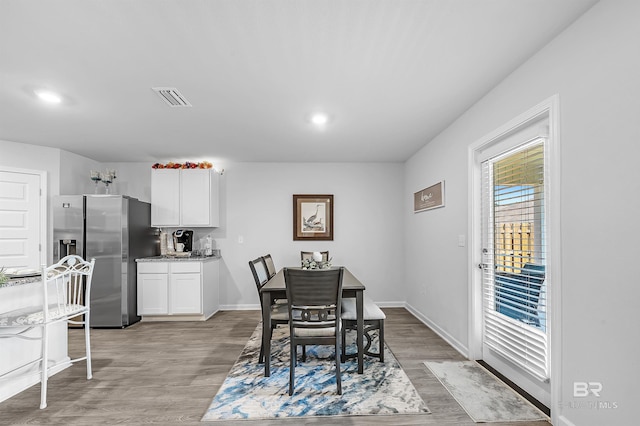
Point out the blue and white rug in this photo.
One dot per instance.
(384, 388)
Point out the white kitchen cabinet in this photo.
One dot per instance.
(184, 197)
(178, 290)
(165, 197)
(185, 288)
(153, 288)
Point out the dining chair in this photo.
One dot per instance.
(271, 270)
(309, 255)
(314, 302)
(268, 261)
(279, 312)
(373, 319)
(66, 292)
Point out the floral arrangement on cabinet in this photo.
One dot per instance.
(187, 165)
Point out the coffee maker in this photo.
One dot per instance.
(184, 236)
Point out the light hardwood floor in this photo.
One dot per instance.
(167, 374)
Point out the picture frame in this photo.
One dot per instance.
(313, 217)
(429, 198)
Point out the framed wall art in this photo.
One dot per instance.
(429, 198)
(312, 217)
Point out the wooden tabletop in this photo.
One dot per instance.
(349, 282)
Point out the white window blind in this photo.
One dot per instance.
(514, 257)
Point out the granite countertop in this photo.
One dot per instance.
(20, 281)
(178, 259)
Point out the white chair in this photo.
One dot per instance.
(66, 292)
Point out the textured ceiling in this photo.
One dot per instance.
(391, 74)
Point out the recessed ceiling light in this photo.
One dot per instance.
(49, 97)
(320, 119)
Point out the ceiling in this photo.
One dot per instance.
(391, 74)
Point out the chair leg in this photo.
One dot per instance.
(292, 365)
(44, 373)
(343, 353)
(261, 356)
(338, 372)
(381, 335)
(87, 342)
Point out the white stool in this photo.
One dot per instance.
(373, 320)
(66, 292)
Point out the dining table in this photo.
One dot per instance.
(275, 289)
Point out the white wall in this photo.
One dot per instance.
(74, 174)
(594, 67)
(259, 208)
(133, 179)
(26, 156)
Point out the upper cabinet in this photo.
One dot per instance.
(184, 197)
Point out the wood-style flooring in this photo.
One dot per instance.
(167, 373)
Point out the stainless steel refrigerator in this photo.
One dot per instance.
(115, 230)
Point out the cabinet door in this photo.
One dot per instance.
(185, 296)
(196, 197)
(153, 291)
(165, 197)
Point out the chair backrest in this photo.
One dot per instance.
(309, 255)
(314, 296)
(67, 285)
(271, 268)
(259, 271)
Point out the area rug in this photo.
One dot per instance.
(383, 389)
(482, 395)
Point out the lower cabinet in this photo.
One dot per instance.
(179, 290)
(186, 293)
(153, 293)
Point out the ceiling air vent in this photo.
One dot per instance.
(171, 96)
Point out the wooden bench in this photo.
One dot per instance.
(373, 320)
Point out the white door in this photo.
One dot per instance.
(21, 219)
(514, 285)
(514, 321)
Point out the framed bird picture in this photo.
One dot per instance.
(312, 217)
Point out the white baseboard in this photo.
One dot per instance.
(563, 421)
(248, 307)
(464, 351)
(391, 304)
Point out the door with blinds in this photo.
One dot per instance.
(514, 286)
